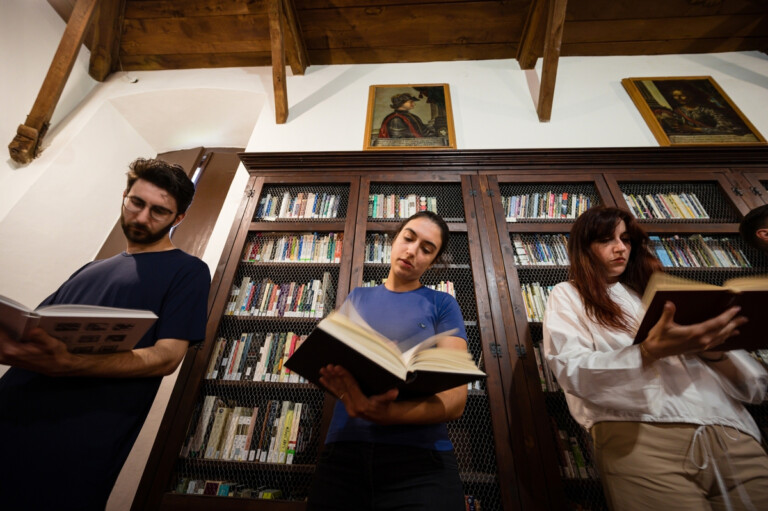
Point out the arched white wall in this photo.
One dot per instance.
(56, 211)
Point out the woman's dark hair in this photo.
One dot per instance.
(587, 272)
(435, 219)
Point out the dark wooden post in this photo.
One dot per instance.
(552, 42)
(275, 11)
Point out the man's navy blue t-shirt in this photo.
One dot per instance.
(66, 439)
(406, 318)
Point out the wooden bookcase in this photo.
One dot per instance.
(509, 454)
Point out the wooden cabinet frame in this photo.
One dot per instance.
(526, 456)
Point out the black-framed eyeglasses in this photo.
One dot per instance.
(137, 205)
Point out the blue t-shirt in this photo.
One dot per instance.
(407, 318)
(71, 436)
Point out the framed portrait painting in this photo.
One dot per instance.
(409, 117)
(690, 110)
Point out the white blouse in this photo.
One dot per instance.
(604, 379)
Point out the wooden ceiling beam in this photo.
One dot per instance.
(552, 43)
(532, 36)
(25, 145)
(296, 49)
(277, 42)
(105, 47)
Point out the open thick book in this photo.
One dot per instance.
(696, 302)
(83, 328)
(376, 362)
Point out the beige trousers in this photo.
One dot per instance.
(659, 467)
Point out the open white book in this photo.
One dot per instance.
(83, 328)
(376, 362)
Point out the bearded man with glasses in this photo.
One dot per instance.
(68, 421)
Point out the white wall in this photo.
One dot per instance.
(56, 212)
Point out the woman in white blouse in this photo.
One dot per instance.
(666, 416)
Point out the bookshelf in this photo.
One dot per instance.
(513, 441)
(700, 243)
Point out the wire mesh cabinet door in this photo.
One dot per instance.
(386, 200)
(257, 428)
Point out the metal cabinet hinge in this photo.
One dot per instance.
(495, 350)
(520, 351)
(737, 191)
(756, 191)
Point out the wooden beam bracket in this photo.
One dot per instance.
(23, 147)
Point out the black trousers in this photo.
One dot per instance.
(363, 476)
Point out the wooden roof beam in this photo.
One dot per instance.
(106, 31)
(296, 49)
(552, 43)
(549, 13)
(277, 42)
(25, 145)
(532, 37)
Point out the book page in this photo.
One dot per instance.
(366, 341)
(751, 283)
(427, 343)
(445, 360)
(14, 317)
(349, 315)
(4, 300)
(661, 281)
(94, 311)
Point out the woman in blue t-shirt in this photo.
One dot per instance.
(381, 452)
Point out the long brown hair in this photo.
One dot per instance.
(587, 272)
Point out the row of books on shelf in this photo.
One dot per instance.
(302, 205)
(546, 205)
(575, 462)
(535, 297)
(472, 503)
(378, 249)
(541, 249)
(653, 206)
(191, 486)
(547, 379)
(255, 357)
(399, 206)
(275, 432)
(446, 286)
(291, 299)
(294, 248)
(695, 251)
(698, 251)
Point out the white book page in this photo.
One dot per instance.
(366, 341)
(426, 344)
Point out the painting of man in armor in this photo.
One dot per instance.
(409, 116)
(691, 111)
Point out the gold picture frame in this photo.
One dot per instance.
(407, 117)
(690, 111)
